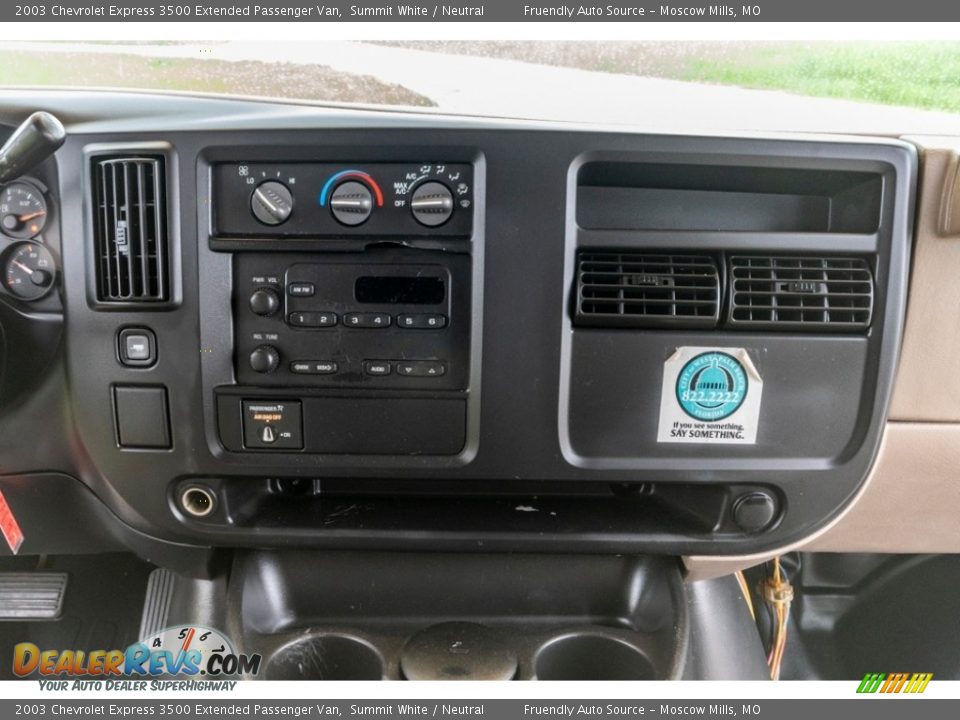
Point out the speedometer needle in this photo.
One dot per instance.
(28, 270)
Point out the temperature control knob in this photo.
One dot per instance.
(264, 301)
(351, 203)
(265, 359)
(272, 203)
(432, 204)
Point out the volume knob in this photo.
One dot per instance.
(272, 203)
(265, 359)
(264, 302)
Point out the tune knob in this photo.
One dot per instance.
(272, 203)
(432, 204)
(264, 301)
(265, 359)
(351, 203)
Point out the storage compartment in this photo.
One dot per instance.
(448, 616)
(425, 515)
(363, 616)
(731, 198)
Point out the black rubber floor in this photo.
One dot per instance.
(102, 608)
(858, 614)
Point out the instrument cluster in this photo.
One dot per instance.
(29, 266)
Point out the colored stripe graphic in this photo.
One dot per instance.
(871, 682)
(345, 174)
(893, 683)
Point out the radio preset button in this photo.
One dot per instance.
(377, 367)
(367, 320)
(301, 289)
(422, 321)
(312, 319)
(421, 368)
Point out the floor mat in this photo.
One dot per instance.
(102, 609)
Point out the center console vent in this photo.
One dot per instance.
(815, 294)
(638, 289)
(129, 229)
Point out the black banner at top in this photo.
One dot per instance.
(339, 11)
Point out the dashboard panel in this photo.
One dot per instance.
(364, 330)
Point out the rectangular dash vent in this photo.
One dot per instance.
(129, 229)
(639, 289)
(815, 294)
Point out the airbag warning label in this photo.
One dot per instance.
(710, 395)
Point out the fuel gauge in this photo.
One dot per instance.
(29, 271)
(23, 211)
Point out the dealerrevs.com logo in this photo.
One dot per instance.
(189, 651)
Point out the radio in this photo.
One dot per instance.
(384, 318)
(351, 306)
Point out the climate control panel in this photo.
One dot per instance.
(326, 200)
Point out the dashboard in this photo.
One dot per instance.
(234, 324)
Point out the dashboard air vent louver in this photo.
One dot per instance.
(815, 294)
(129, 229)
(639, 289)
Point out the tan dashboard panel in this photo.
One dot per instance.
(912, 502)
(909, 504)
(927, 387)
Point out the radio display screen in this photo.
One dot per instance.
(399, 290)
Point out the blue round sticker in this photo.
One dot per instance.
(712, 386)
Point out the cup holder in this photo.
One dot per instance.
(326, 657)
(591, 656)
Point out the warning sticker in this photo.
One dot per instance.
(710, 395)
(9, 526)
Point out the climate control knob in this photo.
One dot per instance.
(272, 203)
(265, 359)
(264, 302)
(432, 204)
(351, 203)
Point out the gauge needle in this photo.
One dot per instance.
(31, 216)
(28, 270)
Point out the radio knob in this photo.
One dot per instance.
(272, 203)
(265, 359)
(432, 204)
(264, 301)
(351, 203)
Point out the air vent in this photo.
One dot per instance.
(129, 228)
(635, 289)
(816, 294)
